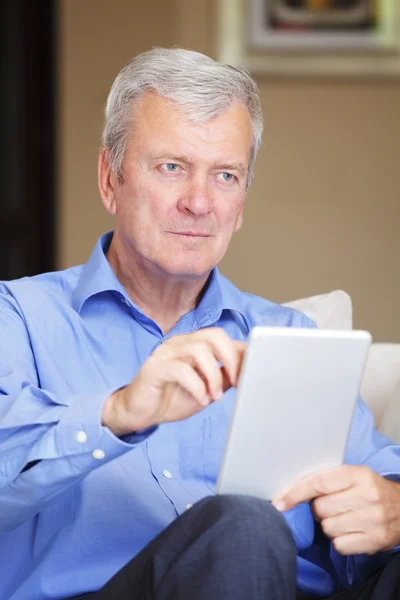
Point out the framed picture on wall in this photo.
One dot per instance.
(311, 37)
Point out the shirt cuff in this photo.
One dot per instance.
(79, 430)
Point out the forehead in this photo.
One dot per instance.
(159, 123)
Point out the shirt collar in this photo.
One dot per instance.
(97, 276)
(220, 295)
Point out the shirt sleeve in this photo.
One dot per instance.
(64, 434)
(368, 447)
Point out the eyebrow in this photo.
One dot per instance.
(242, 168)
(233, 167)
(167, 156)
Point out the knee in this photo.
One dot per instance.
(254, 516)
(241, 508)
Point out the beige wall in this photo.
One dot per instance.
(324, 210)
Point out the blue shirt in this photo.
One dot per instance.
(71, 521)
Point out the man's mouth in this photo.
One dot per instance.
(193, 234)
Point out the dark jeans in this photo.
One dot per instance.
(227, 547)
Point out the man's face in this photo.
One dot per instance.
(184, 187)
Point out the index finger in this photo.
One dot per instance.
(227, 380)
(315, 485)
(228, 352)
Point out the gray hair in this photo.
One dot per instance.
(200, 86)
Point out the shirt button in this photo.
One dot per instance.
(98, 454)
(188, 506)
(81, 437)
(167, 474)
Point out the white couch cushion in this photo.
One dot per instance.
(381, 379)
(329, 311)
(382, 372)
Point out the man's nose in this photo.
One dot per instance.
(196, 198)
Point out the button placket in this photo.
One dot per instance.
(168, 478)
(180, 495)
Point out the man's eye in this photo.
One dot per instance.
(170, 167)
(226, 176)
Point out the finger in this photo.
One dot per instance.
(374, 521)
(226, 382)
(355, 543)
(344, 524)
(339, 503)
(183, 374)
(227, 351)
(240, 348)
(369, 489)
(201, 357)
(313, 486)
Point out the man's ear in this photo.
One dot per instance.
(107, 182)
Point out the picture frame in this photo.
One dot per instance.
(246, 38)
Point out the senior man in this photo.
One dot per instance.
(118, 379)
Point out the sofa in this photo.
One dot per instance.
(381, 381)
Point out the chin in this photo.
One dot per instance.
(191, 269)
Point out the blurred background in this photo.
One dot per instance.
(324, 209)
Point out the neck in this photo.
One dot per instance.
(162, 297)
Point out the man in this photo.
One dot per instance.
(118, 377)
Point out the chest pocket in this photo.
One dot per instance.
(201, 443)
(215, 436)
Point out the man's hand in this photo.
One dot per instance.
(358, 509)
(181, 377)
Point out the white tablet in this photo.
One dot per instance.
(296, 395)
